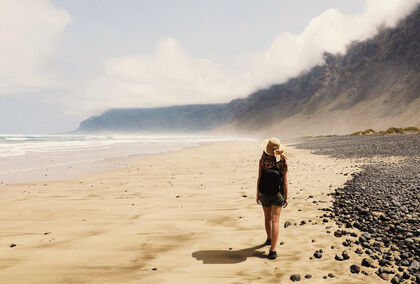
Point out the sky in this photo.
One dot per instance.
(63, 61)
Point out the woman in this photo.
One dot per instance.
(272, 199)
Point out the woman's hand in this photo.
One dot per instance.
(258, 199)
(286, 202)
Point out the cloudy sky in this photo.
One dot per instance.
(63, 61)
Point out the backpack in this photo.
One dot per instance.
(271, 181)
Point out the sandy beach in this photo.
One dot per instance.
(188, 216)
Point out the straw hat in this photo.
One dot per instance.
(271, 145)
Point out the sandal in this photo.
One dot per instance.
(272, 255)
(267, 242)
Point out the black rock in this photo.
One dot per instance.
(295, 277)
(358, 251)
(366, 262)
(339, 257)
(395, 280)
(345, 255)
(308, 276)
(317, 254)
(12, 245)
(354, 268)
(405, 262)
(405, 275)
(331, 275)
(287, 224)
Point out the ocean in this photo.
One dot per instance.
(28, 158)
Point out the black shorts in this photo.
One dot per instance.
(267, 199)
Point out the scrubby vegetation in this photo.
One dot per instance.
(391, 130)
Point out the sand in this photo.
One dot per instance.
(182, 217)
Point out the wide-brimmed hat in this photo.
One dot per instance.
(270, 145)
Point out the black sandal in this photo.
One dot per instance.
(272, 255)
(267, 242)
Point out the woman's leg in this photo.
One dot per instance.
(275, 218)
(267, 219)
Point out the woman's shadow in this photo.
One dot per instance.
(228, 256)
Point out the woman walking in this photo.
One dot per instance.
(272, 190)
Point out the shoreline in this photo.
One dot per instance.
(56, 165)
(192, 217)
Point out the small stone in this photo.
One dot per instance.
(317, 254)
(331, 275)
(405, 262)
(281, 243)
(339, 257)
(12, 245)
(308, 276)
(395, 280)
(358, 251)
(244, 196)
(154, 268)
(405, 275)
(345, 255)
(295, 277)
(366, 262)
(354, 268)
(287, 224)
(325, 277)
(414, 266)
(384, 276)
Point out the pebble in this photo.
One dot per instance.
(366, 262)
(287, 224)
(317, 254)
(389, 189)
(345, 255)
(354, 268)
(395, 280)
(384, 276)
(415, 266)
(12, 245)
(295, 277)
(359, 251)
(308, 276)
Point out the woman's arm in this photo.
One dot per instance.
(258, 183)
(285, 189)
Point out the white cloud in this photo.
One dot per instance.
(170, 76)
(332, 31)
(29, 34)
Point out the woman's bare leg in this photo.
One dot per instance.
(275, 217)
(267, 219)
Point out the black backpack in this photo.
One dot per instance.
(271, 181)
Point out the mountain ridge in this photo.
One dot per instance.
(375, 84)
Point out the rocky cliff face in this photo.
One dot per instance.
(188, 118)
(376, 84)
